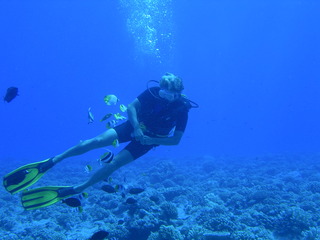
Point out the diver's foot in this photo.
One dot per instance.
(68, 191)
(43, 167)
(80, 188)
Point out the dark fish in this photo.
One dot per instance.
(131, 201)
(99, 235)
(12, 92)
(72, 202)
(136, 190)
(120, 222)
(108, 189)
(108, 115)
(123, 195)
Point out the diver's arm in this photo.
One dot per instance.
(174, 140)
(133, 109)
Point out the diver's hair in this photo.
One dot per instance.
(171, 82)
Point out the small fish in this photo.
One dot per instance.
(100, 235)
(118, 116)
(131, 201)
(111, 124)
(12, 92)
(80, 209)
(108, 189)
(108, 180)
(72, 202)
(75, 202)
(120, 222)
(136, 190)
(111, 99)
(83, 195)
(88, 168)
(115, 143)
(90, 116)
(105, 117)
(123, 108)
(107, 157)
(118, 187)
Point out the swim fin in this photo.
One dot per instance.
(26, 175)
(45, 196)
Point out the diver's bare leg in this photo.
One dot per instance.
(124, 157)
(102, 140)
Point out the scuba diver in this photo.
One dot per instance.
(158, 116)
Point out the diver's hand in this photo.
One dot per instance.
(147, 140)
(138, 134)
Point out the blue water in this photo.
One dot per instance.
(252, 66)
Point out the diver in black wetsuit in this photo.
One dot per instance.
(156, 117)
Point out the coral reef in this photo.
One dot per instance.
(230, 199)
(166, 233)
(169, 211)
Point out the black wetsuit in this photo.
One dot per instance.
(158, 117)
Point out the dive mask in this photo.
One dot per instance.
(170, 96)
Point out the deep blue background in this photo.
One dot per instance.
(253, 67)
